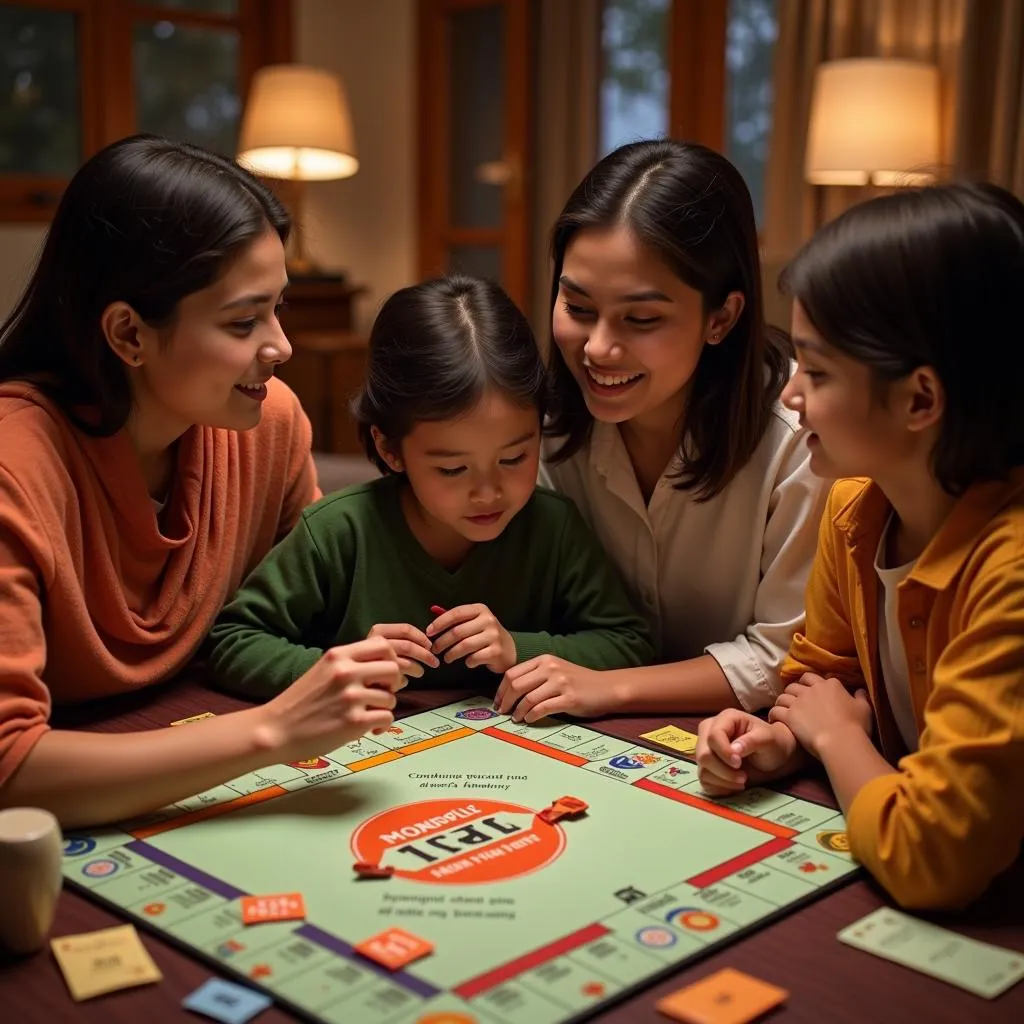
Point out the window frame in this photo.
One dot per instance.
(697, 78)
(106, 77)
(437, 234)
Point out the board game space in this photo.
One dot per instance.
(531, 921)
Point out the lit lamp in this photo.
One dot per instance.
(297, 127)
(873, 122)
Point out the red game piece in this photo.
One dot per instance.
(563, 807)
(366, 869)
(551, 815)
(572, 804)
(436, 609)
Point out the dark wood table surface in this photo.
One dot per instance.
(829, 983)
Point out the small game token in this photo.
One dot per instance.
(563, 807)
(95, 963)
(194, 718)
(725, 997)
(288, 906)
(366, 869)
(394, 948)
(224, 1001)
(436, 609)
(571, 804)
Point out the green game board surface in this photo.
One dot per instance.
(531, 922)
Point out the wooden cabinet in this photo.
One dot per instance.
(328, 358)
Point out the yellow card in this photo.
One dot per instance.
(104, 961)
(673, 737)
(194, 718)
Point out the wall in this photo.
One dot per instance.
(365, 225)
(19, 246)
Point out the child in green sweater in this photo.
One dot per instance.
(453, 555)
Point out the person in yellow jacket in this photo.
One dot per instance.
(910, 350)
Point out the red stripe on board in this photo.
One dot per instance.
(744, 860)
(711, 807)
(537, 748)
(211, 811)
(485, 982)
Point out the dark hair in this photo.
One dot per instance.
(435, 348)
(690, 207)
(145, 221)
(931, 277)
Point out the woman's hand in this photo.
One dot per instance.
(411, 645)
(736, 748)
(548, 685)
(472, 632)
(348, 692)
(816, 710)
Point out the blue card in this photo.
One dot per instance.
(226, 1002)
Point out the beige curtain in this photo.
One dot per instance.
(979, 48)
(565, 145)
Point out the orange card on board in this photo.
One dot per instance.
(286, 906)
(725, 997)
(394, 948)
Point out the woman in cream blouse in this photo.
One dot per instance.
(668, 433)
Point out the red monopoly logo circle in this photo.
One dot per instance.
(460, 842)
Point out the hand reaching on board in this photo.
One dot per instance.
(348, 692)
(549, 685)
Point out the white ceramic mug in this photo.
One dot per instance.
(31, 852)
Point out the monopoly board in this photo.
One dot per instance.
(528, 920)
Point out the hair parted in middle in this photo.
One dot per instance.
(690, 207)
(435, 348)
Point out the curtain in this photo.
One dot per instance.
(565, 145)
(978, 46)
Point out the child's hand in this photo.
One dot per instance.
(472, 632)
(817, 709)
(548, 685)
(411, 645)
(348, 692)
(735, 748)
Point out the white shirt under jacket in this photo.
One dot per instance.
(726, 576)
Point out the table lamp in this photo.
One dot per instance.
(297, 128)
(873, 122)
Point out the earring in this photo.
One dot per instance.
(714, 337)
(136, 359)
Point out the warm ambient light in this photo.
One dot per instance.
(873, 121)
(297, 127)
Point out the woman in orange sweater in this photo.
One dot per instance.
(148, 461)
(908, 334)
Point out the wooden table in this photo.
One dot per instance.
(829, 983)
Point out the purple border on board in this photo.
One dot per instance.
(143, 849)
(342, 948)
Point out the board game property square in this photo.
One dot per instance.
(526, 917)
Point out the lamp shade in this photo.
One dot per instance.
(873, 121)
(297, 125)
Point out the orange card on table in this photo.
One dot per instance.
(725, 997)
(286, 906)
(394, 948)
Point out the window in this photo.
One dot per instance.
(66, 87)
(634, 81)
(659, 76)
(749, 48)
